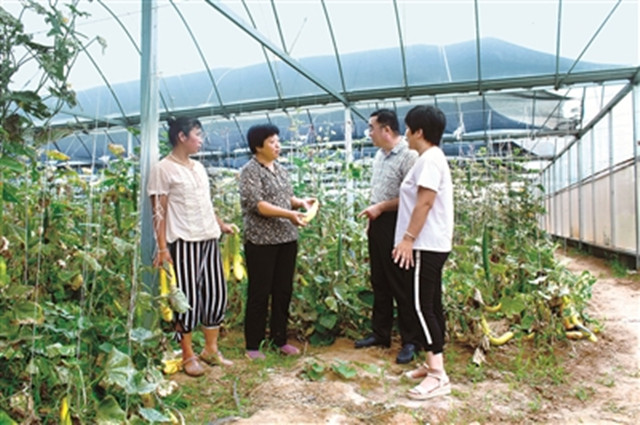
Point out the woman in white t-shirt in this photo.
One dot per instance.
(423, 235)
(187, 232)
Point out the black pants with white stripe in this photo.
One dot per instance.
(200, 277)
(427, 285)
(270, 269)
(389, 282)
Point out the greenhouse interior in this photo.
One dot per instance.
(542, 106)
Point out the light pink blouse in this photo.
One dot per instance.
(190, 215)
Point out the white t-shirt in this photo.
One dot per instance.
(431, 171)
(190, 215)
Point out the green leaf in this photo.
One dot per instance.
(178, 300)
(119, 369)
(122, 246)
(328, 320)
(27, 313)
(89, 260)
(366, 296)
(527, 321)
(512, 306)
(314, 371)
(141, 334)
(344, 370)
(109, 412)
(153, 415)
(57, 349)
(5, 419)
(331, 303)
(142, 384)
(8, 163)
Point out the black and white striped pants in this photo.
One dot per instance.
(200, 277)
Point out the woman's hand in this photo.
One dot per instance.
(306, 203)
(161, 256)
(229, 229)
(371, 212)
(297, 218)
(402, 254)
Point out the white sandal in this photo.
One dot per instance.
(443, 388)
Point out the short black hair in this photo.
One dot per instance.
(387, 117)
(181, 125)
(257, 134)
(429, 119)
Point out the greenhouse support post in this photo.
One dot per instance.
(636, 153)
(612, 188)
(348, 144)
(149, 116)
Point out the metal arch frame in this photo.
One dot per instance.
(204, 60)
(256, 35)
(558, 32)
(390, 93)
(335, 45)
(478, 49)
(559, 79)
(347, 98)
(266, 56)
(402, 51)
(108, 84)
(604, 110)
(133, 42)
(586, 47)
(277, 19)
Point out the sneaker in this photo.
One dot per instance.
(255, 355)
(289, 350)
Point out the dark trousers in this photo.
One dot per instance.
(270, 269)
(428, 294)
(389, 283)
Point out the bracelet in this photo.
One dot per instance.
(413, 238)
(163, 250)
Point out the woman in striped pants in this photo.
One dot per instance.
(187, 232)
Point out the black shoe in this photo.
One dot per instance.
(371, 341)
(407, 353)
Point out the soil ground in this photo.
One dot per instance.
(597, 383)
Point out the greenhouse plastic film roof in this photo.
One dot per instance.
(499, 70)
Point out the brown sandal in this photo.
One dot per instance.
(215, 359)
(192, 367)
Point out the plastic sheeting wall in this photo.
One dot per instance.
(592, 189)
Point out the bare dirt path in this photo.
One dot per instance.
(600, 381)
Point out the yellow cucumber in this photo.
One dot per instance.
(171, 366)
(65, 416)
(485, 326)
(226, 261)
(502, 339)
(165, 310)
(311, 212)
(3, 272)
(493, 308)
(574, 334)
(237, 262)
